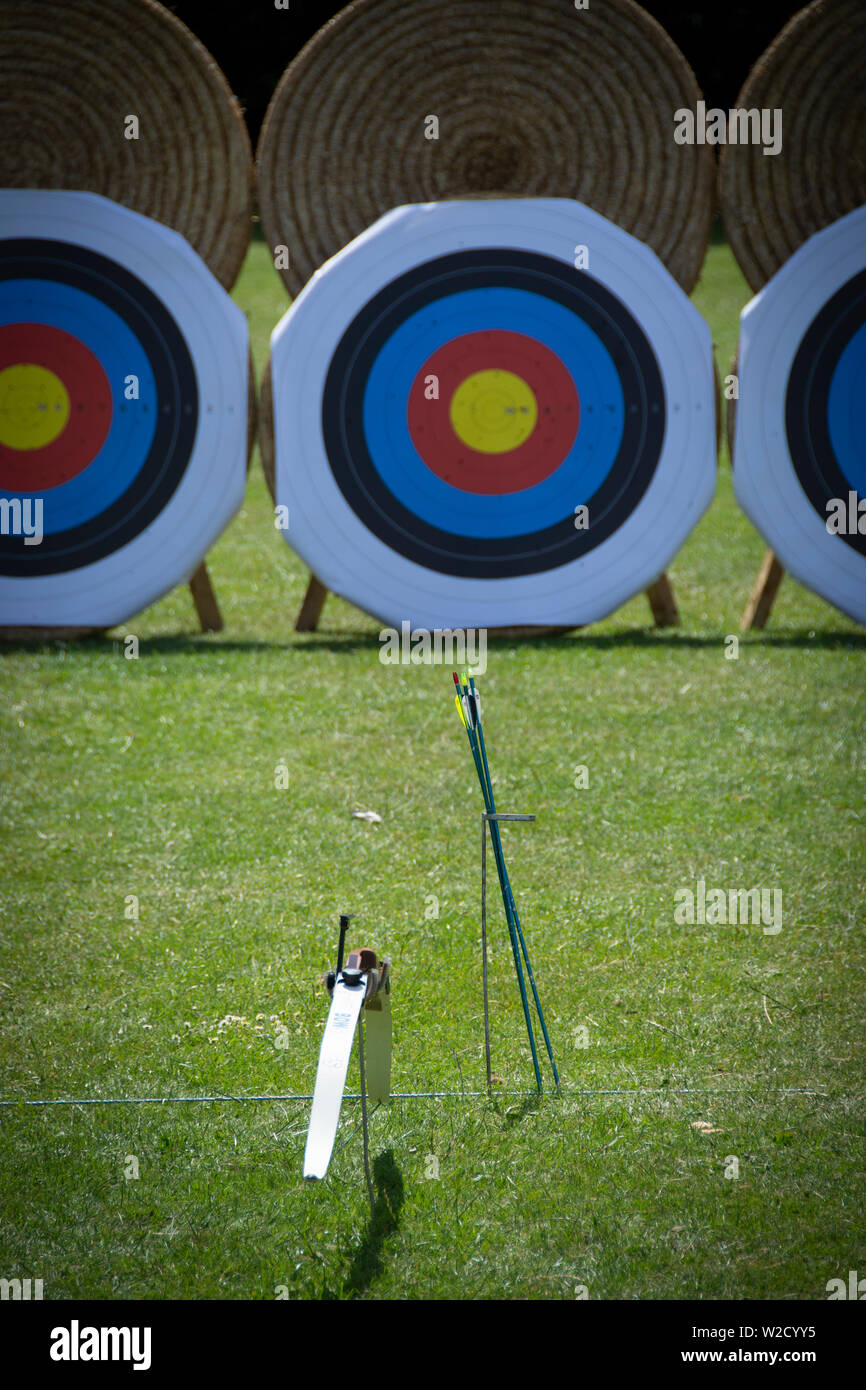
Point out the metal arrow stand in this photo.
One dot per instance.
(485, 817)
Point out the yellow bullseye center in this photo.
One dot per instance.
(34, 406)
(493, 411)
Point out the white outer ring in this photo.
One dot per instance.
(351, 561)
(766, 486)
(167, 552)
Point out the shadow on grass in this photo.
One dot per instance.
(368, 1263)
(352, 641)
(195, 643)
(513, 1114)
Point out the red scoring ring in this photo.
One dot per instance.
(468, 469)
(90, 407)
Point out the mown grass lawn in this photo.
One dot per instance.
(149, 784)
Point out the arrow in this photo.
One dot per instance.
(469, 707)
(518, 927)
(473, 730)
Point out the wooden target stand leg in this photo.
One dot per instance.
(662, 602)
(205, 600)
(660, 594)
(311, 608)
(763, 595)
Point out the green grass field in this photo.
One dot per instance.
(149, 785)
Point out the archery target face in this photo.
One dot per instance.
(801, 415)
(123, 409)
(448, 392)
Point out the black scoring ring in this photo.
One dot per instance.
(493, 557)
(807, 420)
(160, 472)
